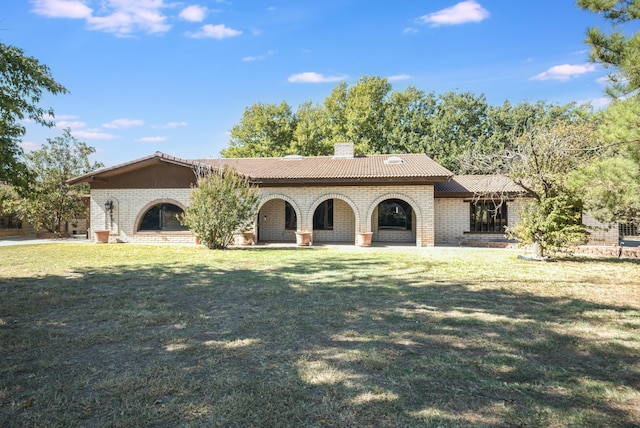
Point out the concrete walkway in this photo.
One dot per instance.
(30, 240)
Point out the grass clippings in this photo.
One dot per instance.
(134, 335)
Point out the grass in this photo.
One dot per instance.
(133, 335)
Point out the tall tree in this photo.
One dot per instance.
(540, 161)
(50, 201)
(311, 136)
(408, 118)
(616, 50)
(264, 130)
(612, 194)
(23, 80)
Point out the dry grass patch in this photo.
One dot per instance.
(132, 335)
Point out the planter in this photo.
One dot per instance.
(247, 238)
(101, 236)
(363, 239)
(303, 239)
(198, 242)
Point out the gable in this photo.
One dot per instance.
(157, 175)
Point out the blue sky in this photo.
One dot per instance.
(175, 76)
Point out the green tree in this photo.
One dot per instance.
(50, 202)
(408, 120)
(616, 50)
(364, 112)
(540, 162)
(265, 130)
(311, 136)
(612, 193)
(222, 204)
(458, 124)
(22, 82)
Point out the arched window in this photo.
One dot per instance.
(394, 214)
(162, 217)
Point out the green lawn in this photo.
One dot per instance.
(131, 335)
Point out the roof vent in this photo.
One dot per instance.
(293, 157)
(394, 160)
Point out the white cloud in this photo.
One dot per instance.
(258, 57)
(120, 17)
(93, 134)
(311, 77)
(599, 103)
(29, 146)
(151, 139)
(410, 30)
(70, 124)
(461, 13)
(123, 123)
(170, 125)
(398, 77)
(219, 32)
(62, 8)
(193, 13)
(564, 72)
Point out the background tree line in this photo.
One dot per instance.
(448, 127)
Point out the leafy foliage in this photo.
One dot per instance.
(222, 204)
(552, 224)
(452, 128)
(50, 201)
(22, 82)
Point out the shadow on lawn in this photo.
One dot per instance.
(331, 344)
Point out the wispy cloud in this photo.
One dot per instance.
(152, 139)
(170, 125)
(461, 13)
(93, 134)
(76, 124)
(123, 123)
(119, 17)
(75, 9)
(258, 57)
(29, 146)
(219, 31)
(398, 77)
(193, 13)
(311, 77)
(565, 72)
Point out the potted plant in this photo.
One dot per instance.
(363, 238)
(303, 239)
(247, 238)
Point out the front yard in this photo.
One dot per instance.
(131, 335)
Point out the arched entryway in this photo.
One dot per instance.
(278, 218)
(394, 219)
(160, 217)
(334, 219)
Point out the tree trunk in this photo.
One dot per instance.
(538, 251)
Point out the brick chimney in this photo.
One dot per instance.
(343, 150)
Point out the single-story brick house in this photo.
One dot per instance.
(398, 198)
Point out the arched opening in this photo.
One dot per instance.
(334, 220)
(162, 217)
(277, 221)
(394, 220)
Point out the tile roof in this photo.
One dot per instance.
(461, 185)
(417, 167)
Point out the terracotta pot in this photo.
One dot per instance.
(101, 236)
(246, 238)
(303, 239)
(363, 239)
